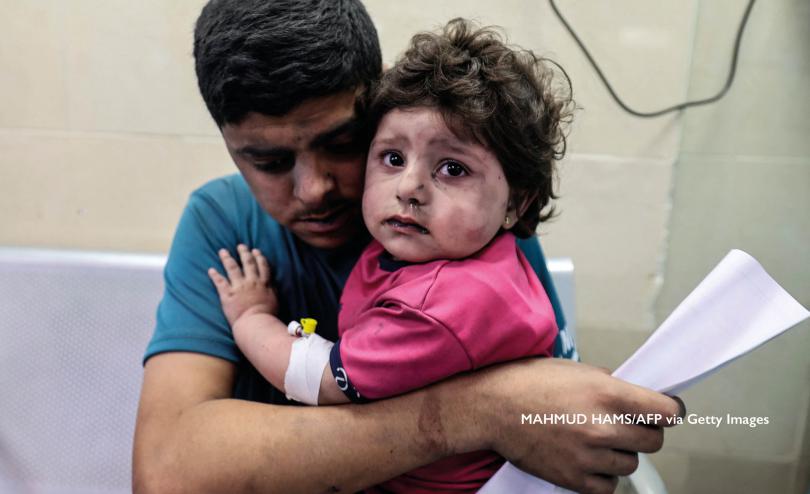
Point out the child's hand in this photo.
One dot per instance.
(248, 292)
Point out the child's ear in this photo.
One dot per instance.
(518, 205)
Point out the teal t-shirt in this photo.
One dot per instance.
(222, 214)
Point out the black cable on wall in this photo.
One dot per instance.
(729, 80)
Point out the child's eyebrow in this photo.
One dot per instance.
(447, 144)
(386, 141)
(453, 145)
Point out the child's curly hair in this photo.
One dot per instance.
(500, 96)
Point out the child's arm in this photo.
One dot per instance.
(250, 304)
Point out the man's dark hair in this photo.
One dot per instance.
(503, 97)
(268, 56)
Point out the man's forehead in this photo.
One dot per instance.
(310, 123)
(319, 110)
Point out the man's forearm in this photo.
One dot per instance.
(191, 438)
(225, 445)
(238, 446)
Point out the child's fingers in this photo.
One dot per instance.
(220, 283)
(248, 262)
(231, 267)
(263, 265)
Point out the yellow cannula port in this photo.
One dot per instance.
(309, 325)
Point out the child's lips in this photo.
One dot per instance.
(406, 224)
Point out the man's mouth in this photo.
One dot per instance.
(328, 216)
(327, 222)
(406, 224)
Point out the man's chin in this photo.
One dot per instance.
(330, 240)
(326, 242)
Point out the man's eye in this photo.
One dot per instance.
(277, 165)
(452, 169)
(392, 158)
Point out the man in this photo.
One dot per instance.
(282, 79)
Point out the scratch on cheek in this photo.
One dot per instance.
(438, 183)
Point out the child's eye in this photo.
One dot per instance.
(392, 158)
(452, 169)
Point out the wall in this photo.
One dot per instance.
(103, 135)
(102, 131)
(742, 181)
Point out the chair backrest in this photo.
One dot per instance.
(73, 328)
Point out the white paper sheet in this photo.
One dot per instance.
(735, 309)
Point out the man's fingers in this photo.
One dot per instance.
(640, 400)
(231, 267)
(681, 406)
(220, 283)
(634, 438)
(613, 462)
(249, 267)
(263, 266)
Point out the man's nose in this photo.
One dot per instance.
(313, 181)
(411, 186)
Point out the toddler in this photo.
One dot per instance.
(462, 161)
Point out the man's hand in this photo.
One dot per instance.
(248, 292)
(582, 457)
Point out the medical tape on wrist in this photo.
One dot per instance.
(309, 357)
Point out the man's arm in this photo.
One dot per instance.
(584, 458)
(190, 437)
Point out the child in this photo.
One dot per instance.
(467, 134)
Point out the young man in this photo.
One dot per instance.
(282, 80)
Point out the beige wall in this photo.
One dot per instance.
(103, 136)
(742, 180)
(102, 131)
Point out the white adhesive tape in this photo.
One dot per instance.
(309, 357)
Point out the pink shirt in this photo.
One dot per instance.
(403, 327)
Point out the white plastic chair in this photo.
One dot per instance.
(73, 332)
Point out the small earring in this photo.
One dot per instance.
(507, 221)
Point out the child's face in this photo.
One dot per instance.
(428, 194)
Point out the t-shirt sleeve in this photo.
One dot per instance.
(564, 345)
(534, 254)
(189, 317)
(393, 349)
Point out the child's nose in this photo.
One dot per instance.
(411, 187)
